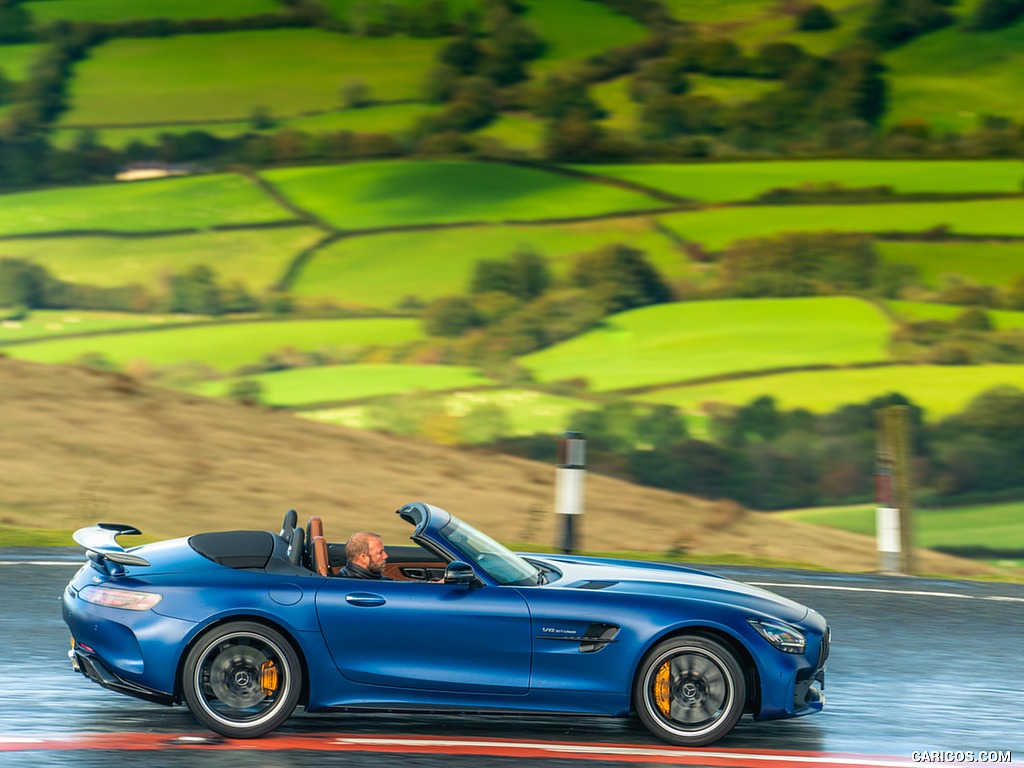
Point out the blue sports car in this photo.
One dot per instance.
(243, 626)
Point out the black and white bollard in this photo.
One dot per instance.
(571, 470)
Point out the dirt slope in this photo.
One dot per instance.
(77, 446)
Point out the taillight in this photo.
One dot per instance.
(126, 599)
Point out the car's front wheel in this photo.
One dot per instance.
(690, 690)
(242, 680)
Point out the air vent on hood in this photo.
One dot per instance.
(596, 584)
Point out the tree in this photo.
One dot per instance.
(196, 292)
(430, 19)
(779, 59)
(473, 106)
(561, 96)
(23, 283)
(462, 54)
(246, 392)
(721, 57)
(996, 14)
(260, 118)
(15, 24)
(856, 88)
(1013, 295)
(525, 274)
(621, 277)
(439, 84)
(658, 78)
(450, 316)
(6, 88)
(355, 93)
(799, 264)
(816, 18)
(894, 22)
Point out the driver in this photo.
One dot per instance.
(366, 558)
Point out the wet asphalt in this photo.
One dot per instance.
(917, 665)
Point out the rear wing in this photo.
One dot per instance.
(100, 541)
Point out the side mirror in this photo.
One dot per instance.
(459, 572)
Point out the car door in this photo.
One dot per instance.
(442, 637)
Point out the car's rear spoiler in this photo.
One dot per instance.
(100, 541)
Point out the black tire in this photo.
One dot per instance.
(242, 680)
(690, 690)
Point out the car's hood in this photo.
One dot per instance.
(670, 581)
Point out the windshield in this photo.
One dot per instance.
(503, 566)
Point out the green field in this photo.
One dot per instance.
(43, 323)
(676, 342)
(384, 118)
(940, 390)
(951, 78)
(17, 60)
(257, 258)
(996, 526)
(990, 263)
(224, 346)
(337, 383)
(715, 11)
(917, 310)
(46, 12)
(349, 9)
(624, 113)
(131, 81)
(719, 227)
(198, 202)
(780, 26)
(519, 132)
(740, 181)
(401, 193)
(381, 270)
(527, 412)
(577, 29)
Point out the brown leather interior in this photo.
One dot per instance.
(320, 561)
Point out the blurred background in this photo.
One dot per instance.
(339, 255)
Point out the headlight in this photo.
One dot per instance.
(784, 637)
(127, 599)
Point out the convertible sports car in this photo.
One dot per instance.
(243, 626)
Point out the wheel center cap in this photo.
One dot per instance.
(242, 679)
(689, 691)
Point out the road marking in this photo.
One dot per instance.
(636, 753)
(909, 592)
(78, 563)
(620, 753)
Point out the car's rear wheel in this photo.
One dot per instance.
(690, 690)
(242, 680)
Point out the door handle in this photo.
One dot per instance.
(364, 599)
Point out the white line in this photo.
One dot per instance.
(75, 563)
(917, 593)
(610, 749)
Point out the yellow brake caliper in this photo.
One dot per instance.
(268, 677)
(662, 696)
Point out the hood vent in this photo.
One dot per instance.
(597, 584)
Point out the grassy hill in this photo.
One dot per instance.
(200, 464)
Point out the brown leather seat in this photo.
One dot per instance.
(320, 558)
(314, 528)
